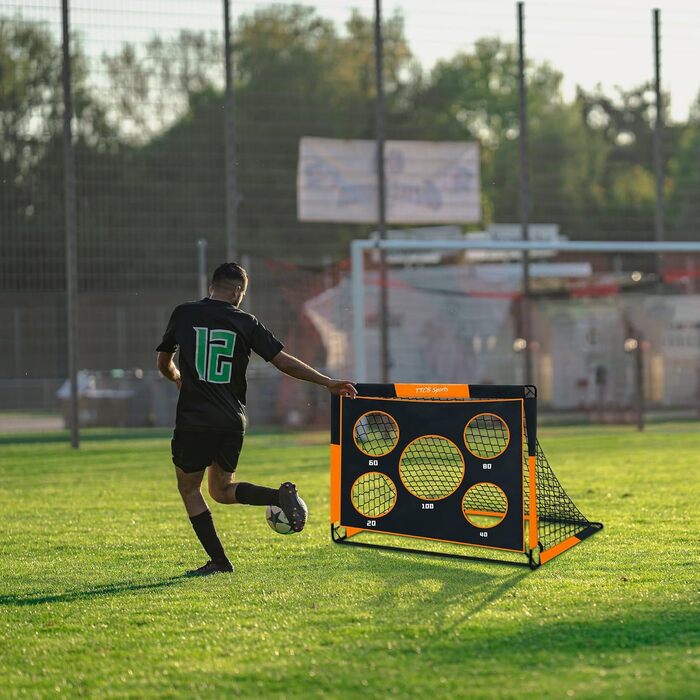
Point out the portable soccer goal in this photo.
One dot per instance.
(452, 463)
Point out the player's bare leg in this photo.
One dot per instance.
(222, 485)
(189, 486)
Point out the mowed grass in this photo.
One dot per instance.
(92, 602)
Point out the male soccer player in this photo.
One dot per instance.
(215, 339)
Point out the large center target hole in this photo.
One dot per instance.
(431, 467)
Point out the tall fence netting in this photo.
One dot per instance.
(148, 81)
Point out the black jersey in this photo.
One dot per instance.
(215, 339)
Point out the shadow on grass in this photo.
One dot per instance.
(450, 593)
(20, 600)
(623, 632)
(446, 589)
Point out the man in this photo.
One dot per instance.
(215, 339)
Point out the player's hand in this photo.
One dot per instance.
(178, 382)
(342, 387)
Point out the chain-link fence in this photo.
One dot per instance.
(150, 155)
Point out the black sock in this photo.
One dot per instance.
(253, 495)
(206, 532)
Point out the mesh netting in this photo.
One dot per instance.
(376, 433)
(558, 517)
(431, 467)
(486, 436)
(484, 504)
(373, 494)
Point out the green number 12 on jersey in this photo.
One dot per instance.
(212, 348)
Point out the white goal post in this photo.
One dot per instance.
(358, 248)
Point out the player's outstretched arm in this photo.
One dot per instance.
(294, 367)
(167, 367)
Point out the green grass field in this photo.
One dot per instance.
(91, 602)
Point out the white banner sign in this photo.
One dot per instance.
(427, 182)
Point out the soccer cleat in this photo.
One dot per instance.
(212, 568)
(292, 506)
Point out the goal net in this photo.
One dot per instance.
(558, 518)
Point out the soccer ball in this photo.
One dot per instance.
(277, 520)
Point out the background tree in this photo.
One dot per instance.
(623, 207)
(31, 150)
(684, 190)
(150, 150)
(474, 96)
(151, 86)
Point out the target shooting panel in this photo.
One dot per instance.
(441, 470)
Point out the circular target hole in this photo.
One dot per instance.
(376, 433)
(431, 467)
(486, 436)
(373, 494)
(484, 505)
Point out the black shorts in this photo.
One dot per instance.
(193, 451)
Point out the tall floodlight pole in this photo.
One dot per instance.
(230, 144)
(524, 188)
(381, 191)
(71, 231)
(659, 217)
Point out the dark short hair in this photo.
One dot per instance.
(229, 272)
